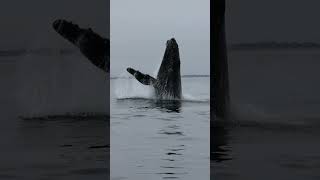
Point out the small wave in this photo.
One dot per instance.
(267, 125)
(187, 100)
(68, 116)
(190, 98)
(252, 116)
(134, 98)
(155, 74)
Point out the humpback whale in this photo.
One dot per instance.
(220, 79)
(167, 85)
(91, 45)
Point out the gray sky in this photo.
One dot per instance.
(28, 23)
(273, 20)
(140, 29)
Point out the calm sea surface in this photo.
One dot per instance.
(53, 147)
(273, 132)
(160, 140)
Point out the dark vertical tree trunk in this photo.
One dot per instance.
(219, 81)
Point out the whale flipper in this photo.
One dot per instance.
(91, 45)
(145, 79)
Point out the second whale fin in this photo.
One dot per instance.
(145, 79)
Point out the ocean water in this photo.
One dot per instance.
(55, 146)
(273, 132)
(153, 139)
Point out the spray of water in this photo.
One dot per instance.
(126, 87)
(191, 98)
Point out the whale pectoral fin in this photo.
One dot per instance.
(145, 79)
(93, 46)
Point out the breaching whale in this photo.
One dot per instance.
(167, 85)
(220, 79)
(91, 45)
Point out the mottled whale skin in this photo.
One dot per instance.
(91, 45)
(167, 85)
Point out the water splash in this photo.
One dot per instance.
(127, 87)
(191, 98)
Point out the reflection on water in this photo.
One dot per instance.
(172, 155)
(172, 152)
(220, 149)
(169, 105)
(245, 149)
(163, 105)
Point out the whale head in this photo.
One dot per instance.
(172, 42)
(171, 58)
(168, 78)
(172, 50)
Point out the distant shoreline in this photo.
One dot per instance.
(182, 76)
(40, 51)
(274, 46)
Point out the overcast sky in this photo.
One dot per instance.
(140, 29)
(273, 20)
(28, 23)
